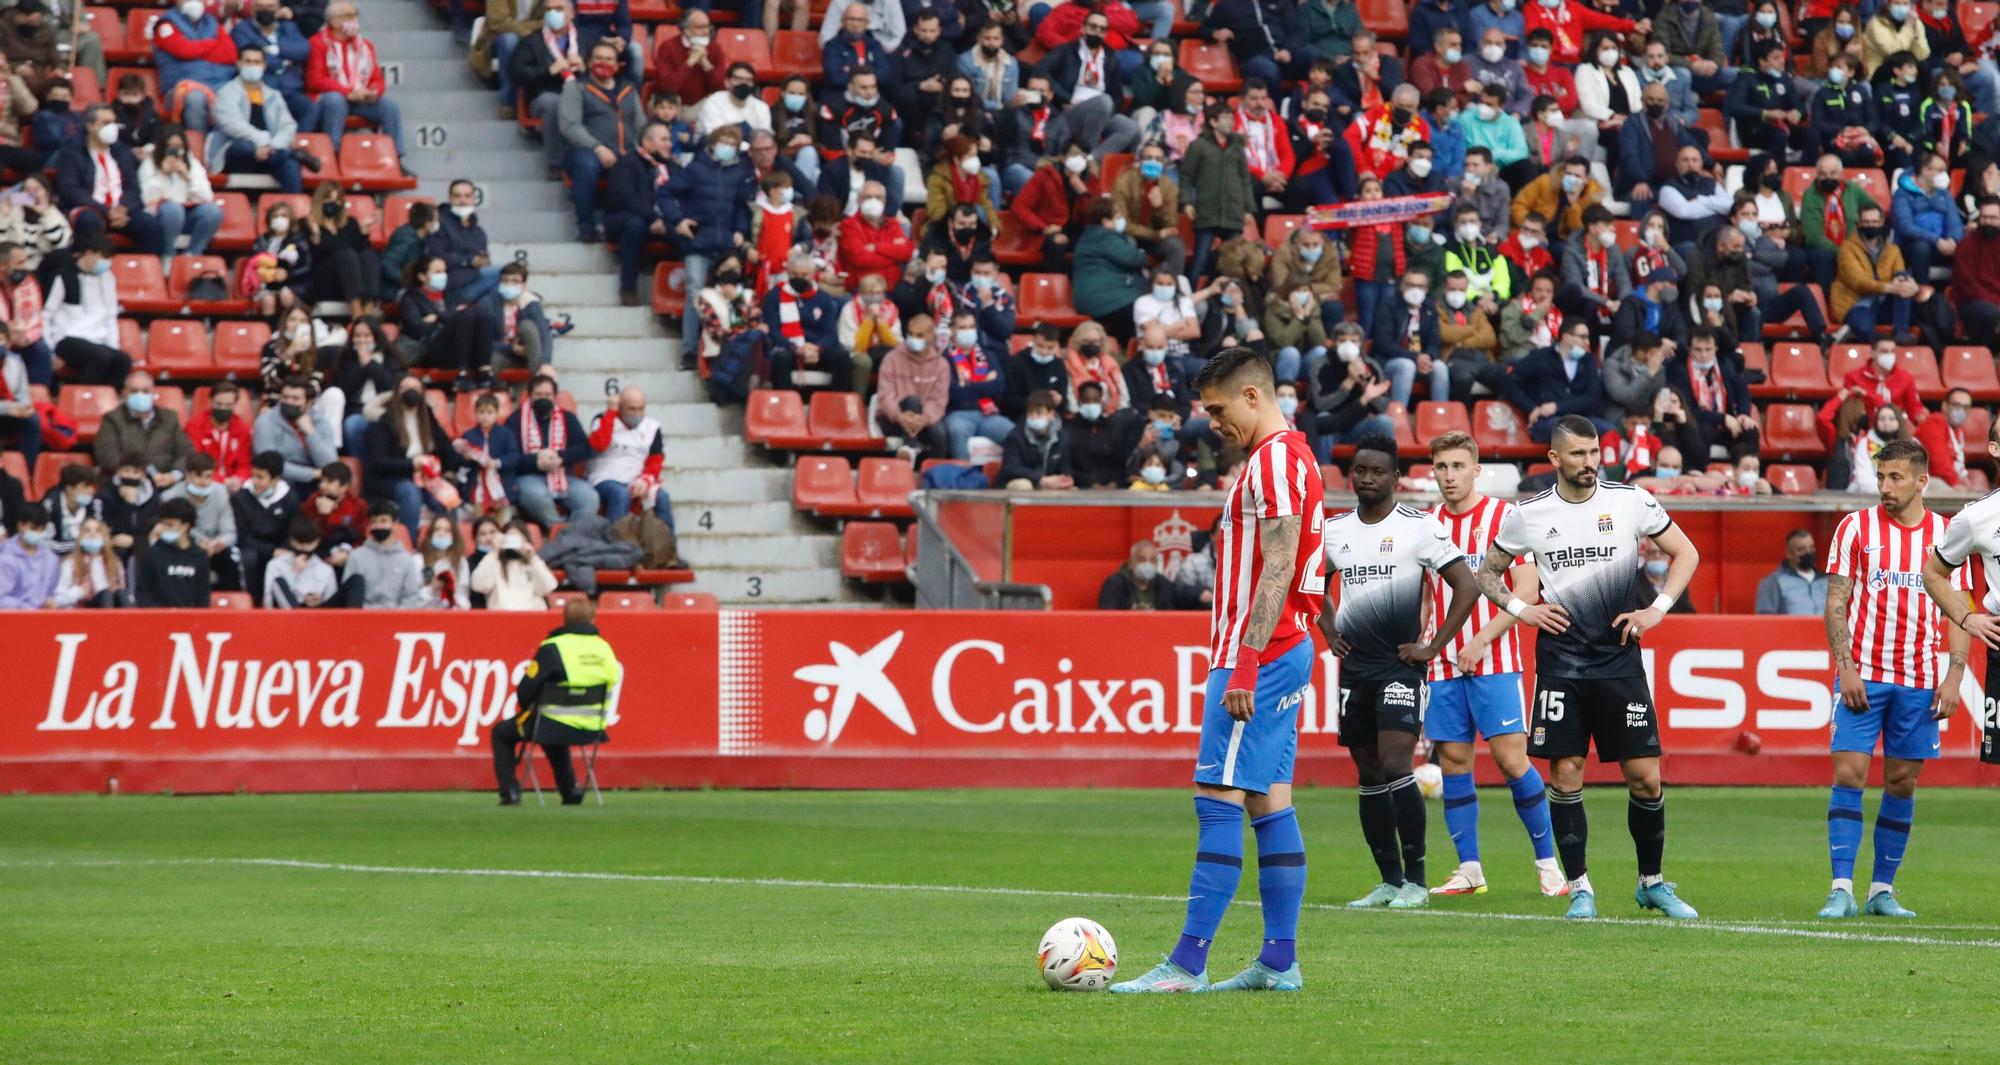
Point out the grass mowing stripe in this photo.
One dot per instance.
(1736, 927)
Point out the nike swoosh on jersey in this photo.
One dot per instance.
(1207, 767)
(1510, 721)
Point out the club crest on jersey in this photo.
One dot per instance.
(1604, 523)
(1388, 546)
(1398, 694)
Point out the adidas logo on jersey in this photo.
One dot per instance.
(1552, 534)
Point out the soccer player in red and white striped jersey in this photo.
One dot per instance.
(1269, 582)
(1476, 682)
(1883, 627)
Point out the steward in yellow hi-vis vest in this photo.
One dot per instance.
(569, 687)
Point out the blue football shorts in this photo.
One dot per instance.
(1490, 703)
(1900, 716)
(1255, 754)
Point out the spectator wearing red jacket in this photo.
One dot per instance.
(343, 74)
(1065, 24)
(338, 510)
(1881, 380)
(1944, 438)
(1266, 138)
(1975, 277)
(1051, 201)
(1568, 23)
(873, 242)
(222, 435)
(687, 64)
(1380, 139)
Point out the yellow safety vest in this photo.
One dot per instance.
(590, 669)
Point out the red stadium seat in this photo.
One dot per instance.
(1114, 164)
(396, 210)
(1844, 359)
(1875, 183)
(1795, 326)
(15, 465)
(1923, 366)
(1628, 230)
(1332, 480)
(167, 397)
(746, 46)
(1791, 433)
(776, 418)
(1278, 229)
(320, 146)
(239, 348)
(1796, 370)
(1754, 358)
(839, 423)
(1796, 181)
(1972, 369)
(1046, 298)
(49, 467)
(795, 53)
(1406, 439)
(1719, 146)
(1792, 480)
(1436, 419)
(179, 347)
(1212, 65)
(1501, 431)
(1978, 425)
(239, 224)
(229, 601)
(187, 269)
(883, 485)
(648, 11)
(1014, 245)
(670, 290)
(142, 285)
(690, 601)
(872, 551)
(1976, 19)
(137, 39)
(110, 29)
(368, 162)
(823, 483)
(626, 599)
(440, 403)
(88, 404)
(558, 600)
(368, 215)
(1388, 19)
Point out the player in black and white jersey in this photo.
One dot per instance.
(1382, 553)
(1974, 530)
(1590, 683)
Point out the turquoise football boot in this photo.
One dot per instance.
(1582, 906)
(1412, 896)
(1165, 978)
(1839, 903)
(1382, 896)
(1884, 904)
(1661, 897)
(1261, 977)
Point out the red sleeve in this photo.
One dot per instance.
(897, 249)
(854, 257)
(1287, 162)
(656, 459)
(317, 81)
(600, 432)
(177, 44)
(1938, 445)
(1026, 206)
(1061, 26)
(1592, 19)
(1827, 411)
(1124, 24)
(1909, 402)
(222, 50)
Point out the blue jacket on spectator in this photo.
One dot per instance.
(635, 188)
(1427, 18)
(1390, 331)
(1635, 151)
(1920, 215)
(718, 198)
(968, 395)
(284, 63)
(1010, 78)
(172, 70)
(996, 323)
(457, 243)
(597, 19)
(530, 317)
(841, 60)
(819, 319)
(1251, 35)
(55, 129)
(26, 581)
(1540, 378)
(504, 445)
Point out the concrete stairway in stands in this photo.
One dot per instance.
(732, 504)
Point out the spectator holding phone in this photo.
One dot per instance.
(512, 576)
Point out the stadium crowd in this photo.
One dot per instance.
(1016, 230)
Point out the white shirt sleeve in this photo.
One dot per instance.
(1959, 540)
(1513, 535)
(1653, 518)
(1437, 550)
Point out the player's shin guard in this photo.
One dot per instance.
(1572, 830)
(1892, 837)
(1843, 832)
(1218, 866)
(1647, 820)
(1378, 827)
(1461, 815)
(1531, 802)
(1281, 885)
(1410, 818)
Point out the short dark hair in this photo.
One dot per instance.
(200, 462)
(1229, 364)
(76, 474)
(179, 509)
(1541, 36)
(1645, 341)
(34, 514)
(1255, 83)
(1575, 425)
(382, 508)
(295, 381)
(1770, 45)
(1048, 331)
(744, 67)
(270, 462)
(1089, 386)
(1596, 214)
(421, 215)
(132, 460)
(1905, 451)
(337, 472)
(304, 530)
(1478, 152)
(1379, 443)
(89, 241)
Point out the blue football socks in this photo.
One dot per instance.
(1531, 802)
(1461, 815)
(1281, 885)
(1218, 866)
(1892, 836)
(1843, 831)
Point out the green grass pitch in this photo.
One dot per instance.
(779, 927)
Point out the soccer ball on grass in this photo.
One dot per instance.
(1077, 954)
(1430, 780)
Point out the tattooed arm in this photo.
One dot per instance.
(1279, 541)
(1839, 592)
(1548, 617)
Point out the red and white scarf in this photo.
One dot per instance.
(489, 492)
(566, 48)
(1260, 142)
(1706, 388)
(1835, 226)
(941, 302)
(1545, 334)
(110, 177)
(350, 63)
(532, 442)
(789, 325)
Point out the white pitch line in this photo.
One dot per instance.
(1736, 927)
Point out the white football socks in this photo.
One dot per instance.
(1878, 888)
(1581, 883)
(1841, 883)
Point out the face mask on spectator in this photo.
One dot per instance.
(935, 277)
(251, 73)
(1420, 234)
(544, 407)
(740, 91)
(139, 402)
(1538, 54)
(1414, 296)
(509, 292)
(1154, 356)
(1885, 361)
(725, 153)
(969, 164)
(1347, 350)
(331, 208)
(199, 491)
(1161, 62)
(1712, 304)
(1898, 12)
(1656, 568)
(916, 344)
(220, 415)
(464, 211)
(1607, 57)
(192, 10)
(1031, 97)
(436, 281)
(1038, 424)
(632, 420)
(411, 397)
(965, 338)
(170, 536)
(698, 41)
(1492, 53)
(33, 537)
(1151, 169)
(280, 225)
(1455, 298)
(802, 285)
(1163, 293)
(381, 536)
(871, 208)
(1608, 237)
(92, 545)
(1288, 405)
(1118, 224)
(1468, 232)
(289, 412)
(441, 541)
(1075, 164)
(1151, 475)
(266, 19)
(1090, 412)
(1420, 167)
(1451, 56)
(1487, 113)
(1042, 358)
(795, 101)
(1843, 30)
(108, 133)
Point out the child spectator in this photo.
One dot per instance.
(447, 581)
(28, 567)
(298, 578)
(172, 572)
(407, 244)
(485, 540)
(388, 575)
(214, 529)
(265, 510)
(73, 503)
(489, 453)
(282, 261)
(91, 577)
(337, 509)
(132, 505)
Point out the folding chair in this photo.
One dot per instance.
(533, 739)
